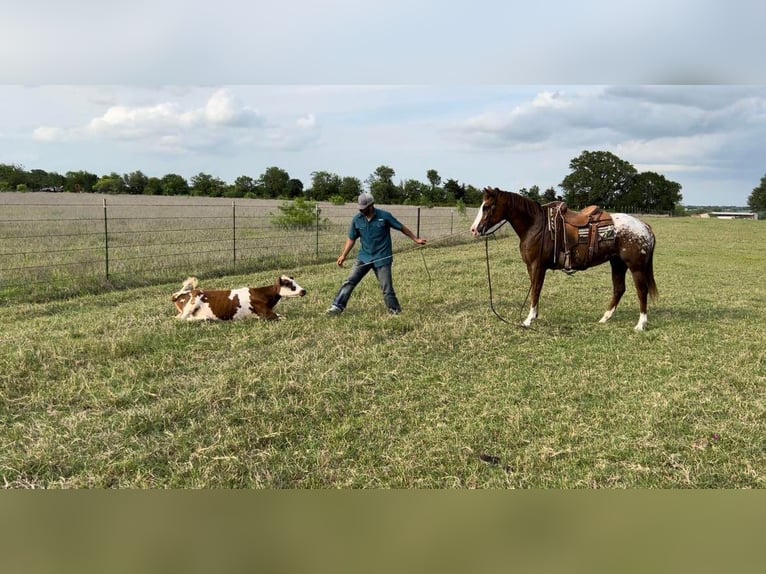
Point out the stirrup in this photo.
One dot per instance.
(567, 264)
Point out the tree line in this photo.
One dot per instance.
(757, 199)
(599, 178)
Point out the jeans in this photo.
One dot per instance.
(357, 274)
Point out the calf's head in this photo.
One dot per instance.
(183, 295)
(287, 287)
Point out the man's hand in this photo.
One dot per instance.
(340, 260)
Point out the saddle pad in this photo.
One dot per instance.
(604, 232)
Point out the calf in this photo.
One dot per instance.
(223, 305)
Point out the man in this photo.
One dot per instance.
(373, 227)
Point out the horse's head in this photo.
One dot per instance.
(489, 217)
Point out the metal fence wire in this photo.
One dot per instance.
(58, 245)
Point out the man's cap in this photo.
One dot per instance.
(365, 200)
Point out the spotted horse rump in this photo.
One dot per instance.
(194, 304)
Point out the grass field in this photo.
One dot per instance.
(110, 391)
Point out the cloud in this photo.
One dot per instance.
(308, 121)
(525, 125)
(47, 134)
(656, 125)
(673, 154)
(221, 110)
(170, 127)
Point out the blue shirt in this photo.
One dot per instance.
(375, 236)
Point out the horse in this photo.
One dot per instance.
(553, 237)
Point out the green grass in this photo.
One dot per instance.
(110, 391)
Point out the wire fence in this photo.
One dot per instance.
(56, 245)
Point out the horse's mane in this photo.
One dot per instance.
(528, 206)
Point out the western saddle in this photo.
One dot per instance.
(589, 226)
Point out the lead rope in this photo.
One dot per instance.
(423, 253)
(489, 282)
(421, 248)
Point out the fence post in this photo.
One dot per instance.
(451, 220)
(316, 208)
(106, 242)
(417, 233)
(234, 233)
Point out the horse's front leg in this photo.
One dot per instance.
(536, 278)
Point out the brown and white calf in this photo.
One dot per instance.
(195, 304)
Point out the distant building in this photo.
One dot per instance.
(731, 215)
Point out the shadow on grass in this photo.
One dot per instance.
(698, 315)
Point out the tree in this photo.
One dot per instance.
(273, 182)
(206, 185)
(757, 200)
(153, 186)
(80, 181)
(599, 178)
(532, 193)
(111, 183)
(324, 185)
(174, 184)
(243, 186)
(651, 191)
(414, 192)
(39, 179)
(454, 191)
(433, 177)
(350, 188)
(435, 194)
(432, 195)
(382, 186)
(135, 182)
(294, 188)
(549, 195)
(11, 176)
(473, 195)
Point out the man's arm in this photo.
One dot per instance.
(346, 250)
(408, 232)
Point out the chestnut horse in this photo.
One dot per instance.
(551, 237)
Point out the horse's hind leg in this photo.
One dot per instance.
(642, 290)
(619, 269)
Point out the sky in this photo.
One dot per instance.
(488, 92)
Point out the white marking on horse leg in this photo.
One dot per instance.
(607, 315)
(642, 321)
(531, 317)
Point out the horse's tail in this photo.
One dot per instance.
(650, 284)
